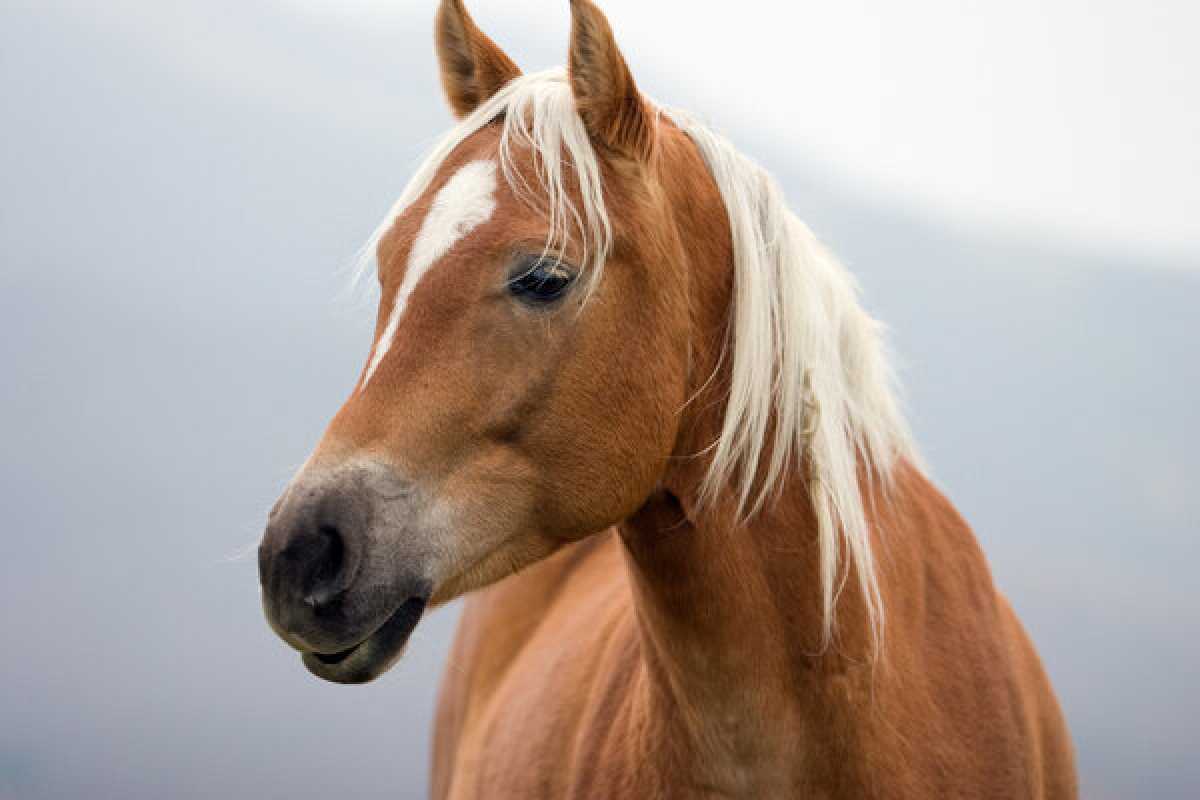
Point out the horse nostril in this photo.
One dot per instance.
(264, 564)
(311, 554)
(329, 562)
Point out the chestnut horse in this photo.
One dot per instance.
(621, 396)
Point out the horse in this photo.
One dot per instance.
(622, 400)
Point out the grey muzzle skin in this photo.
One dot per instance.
(344, 578)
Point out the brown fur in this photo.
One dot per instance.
(681, 657)
(676, 654)
(675, 660)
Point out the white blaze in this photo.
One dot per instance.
(466, 201)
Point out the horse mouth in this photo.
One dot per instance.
(370, 658)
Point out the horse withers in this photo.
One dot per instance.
(622, 398)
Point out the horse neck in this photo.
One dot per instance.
(730, 620)
(730, 613)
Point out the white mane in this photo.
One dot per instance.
(811, 385)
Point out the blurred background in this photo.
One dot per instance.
(182, 183)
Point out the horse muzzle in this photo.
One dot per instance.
(344, 578)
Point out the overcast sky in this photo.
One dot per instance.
(180, 180)
(1077, 120)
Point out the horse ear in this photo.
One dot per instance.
(474, 68)
(612, 108)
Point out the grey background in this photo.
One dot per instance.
(174, 336)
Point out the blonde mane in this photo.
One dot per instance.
(811, 385)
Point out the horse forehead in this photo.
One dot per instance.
(462, 204)
(457, 185)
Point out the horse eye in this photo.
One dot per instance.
(541, 282)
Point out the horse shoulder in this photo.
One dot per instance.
(971, 705)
